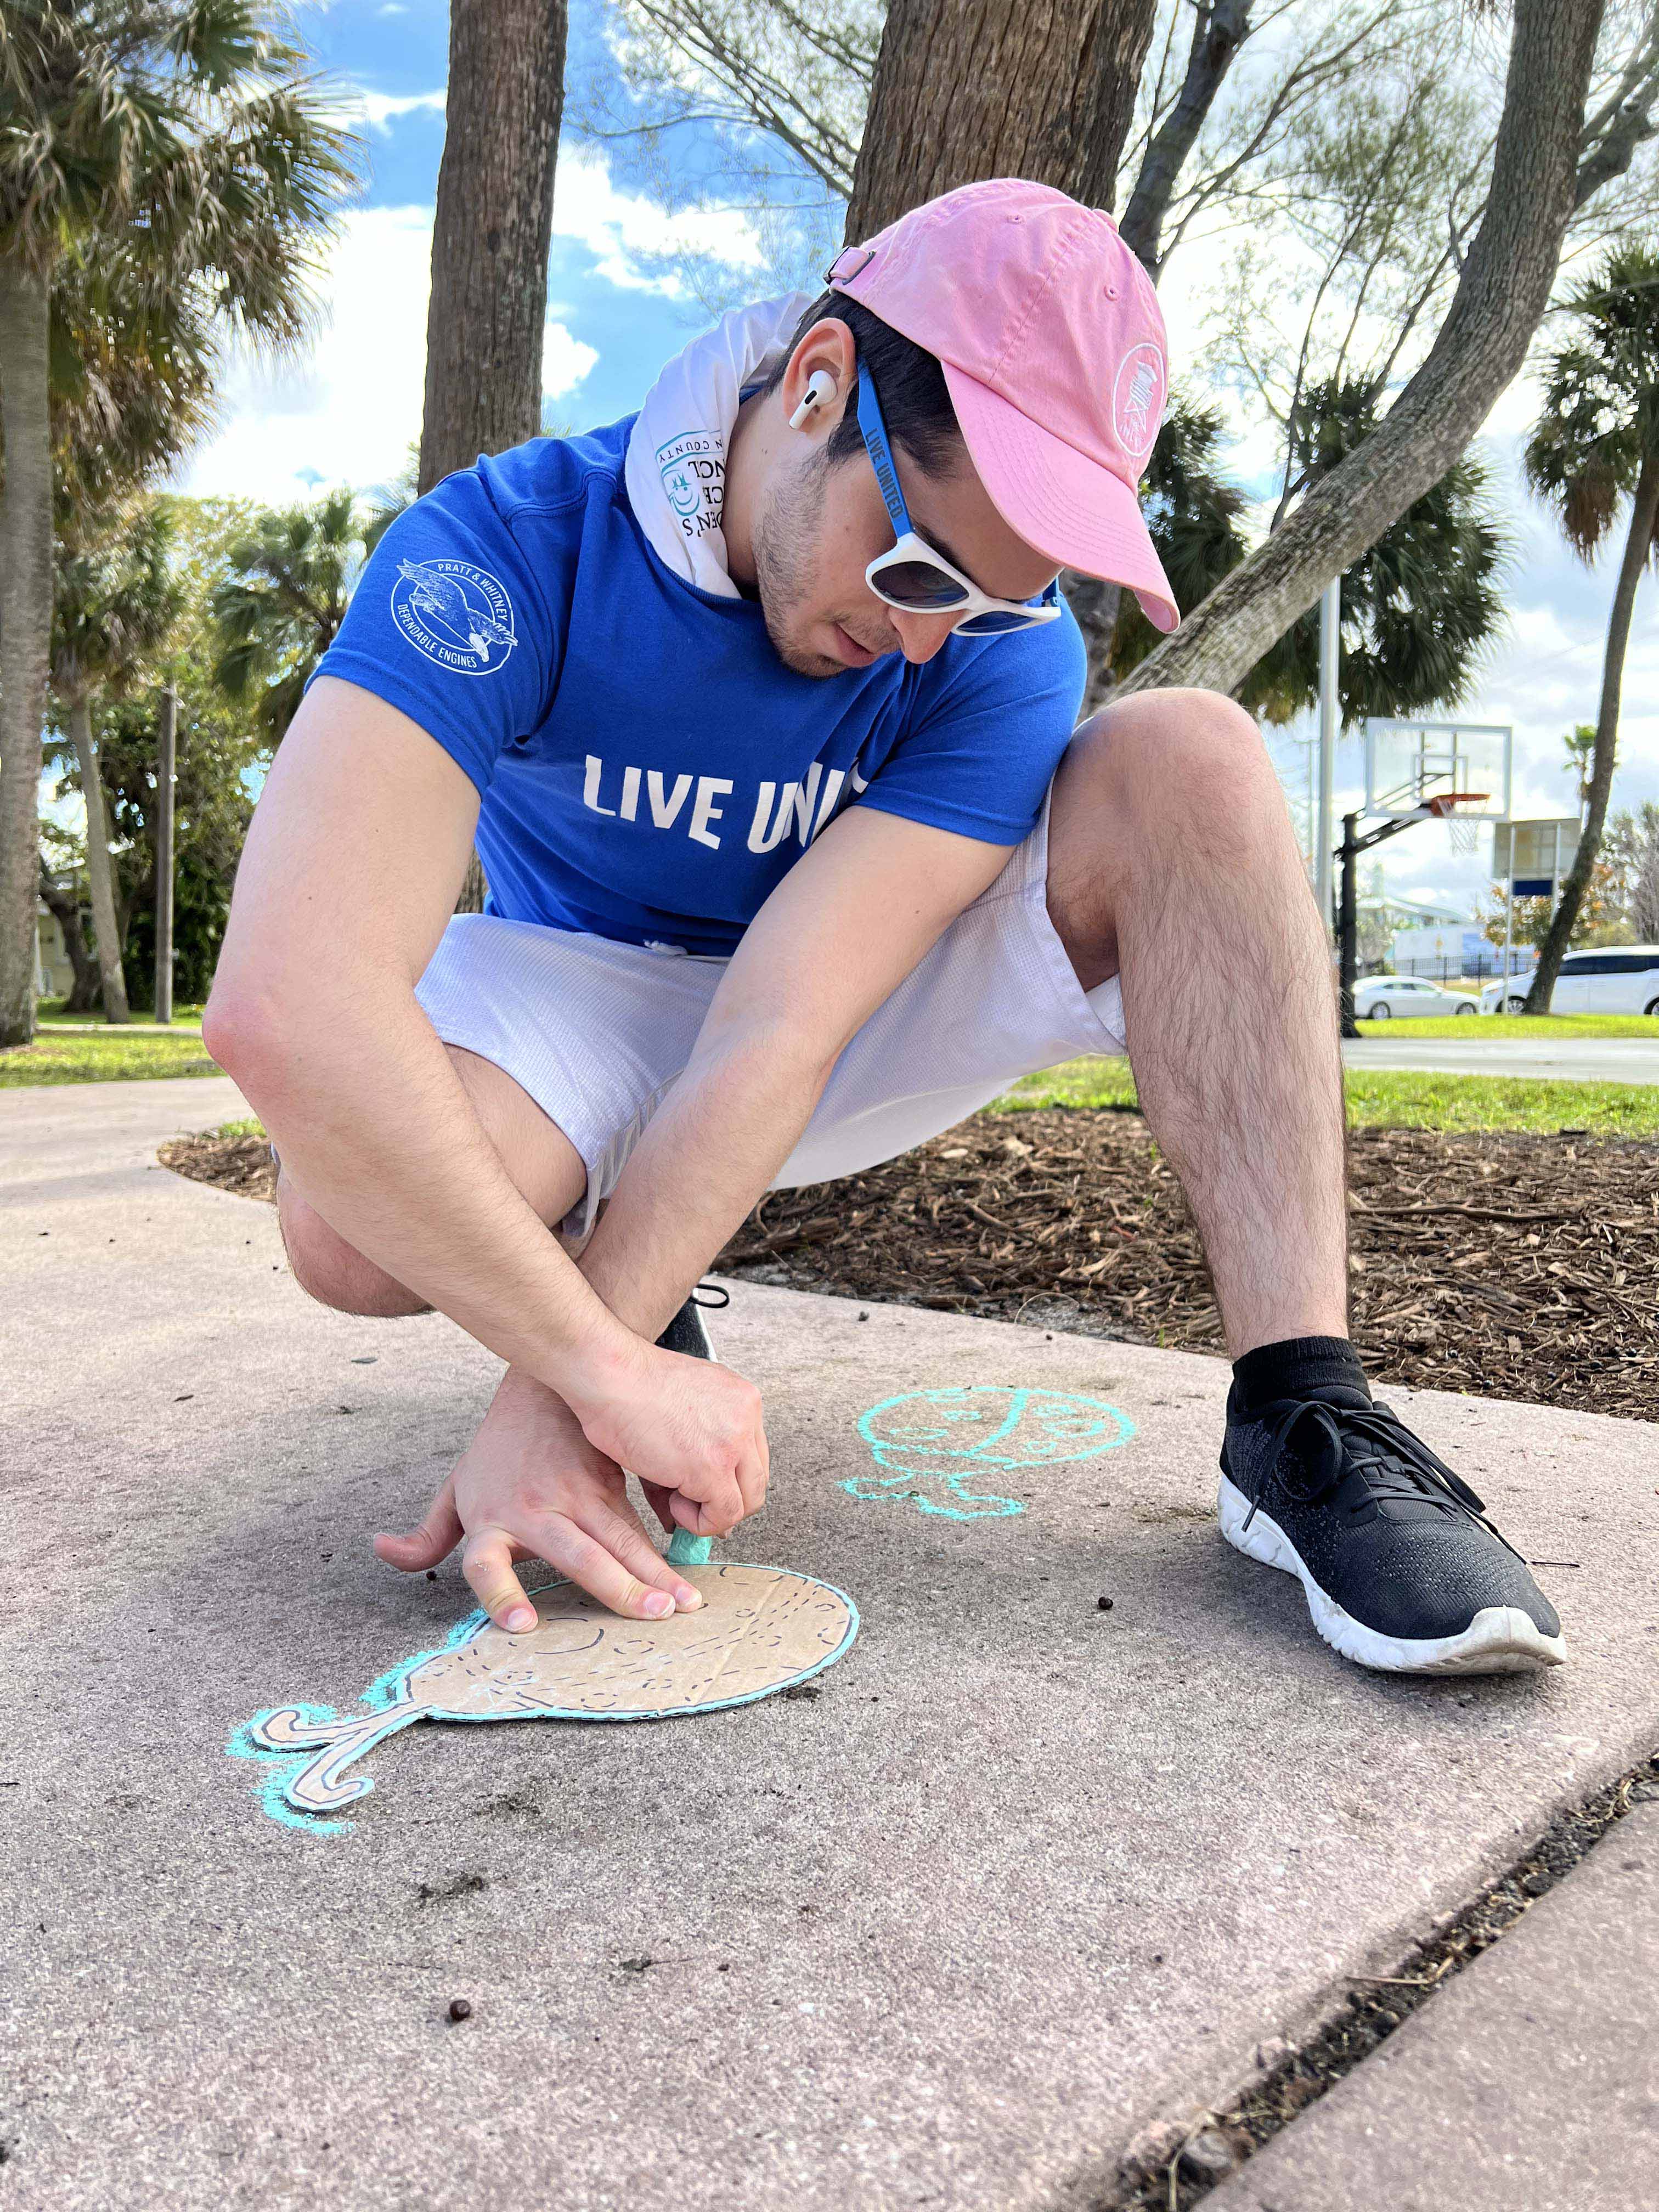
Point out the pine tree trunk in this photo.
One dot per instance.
(490, 238)
(65, 908)
(25, 592)
(1638, 546)
(972, 89)
(1501, 296)
(100, 869)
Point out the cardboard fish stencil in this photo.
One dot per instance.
(759, 1630)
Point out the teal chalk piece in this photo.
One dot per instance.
(947, 1447)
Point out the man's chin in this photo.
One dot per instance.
(799, 658)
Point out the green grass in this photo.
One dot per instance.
(1400, 1098)
(104, 1055)
(1469, 1029)
(55, 1011)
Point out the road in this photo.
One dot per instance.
(1564, 1059)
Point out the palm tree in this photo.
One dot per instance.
(173, 156)
(1596, 444)
(276, 613)
(1418, 608)
(115, 602)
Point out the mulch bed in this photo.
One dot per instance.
(1503, 1264)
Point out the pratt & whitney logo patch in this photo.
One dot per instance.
(455, 614)
(1137, 398)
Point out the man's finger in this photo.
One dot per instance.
(435, 1540)
(595, 1569)
(487, 1563)
(619, 1529)
(658, 1495)
(754, 1470)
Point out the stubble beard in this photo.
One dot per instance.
(785, 531)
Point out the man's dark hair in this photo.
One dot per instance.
(915, 403)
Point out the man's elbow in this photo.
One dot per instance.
(250, 1030)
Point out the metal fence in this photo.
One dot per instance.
(1448, 969)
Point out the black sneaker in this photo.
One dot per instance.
(686, 1332)
(1402, 1569)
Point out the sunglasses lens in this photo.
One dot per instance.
(984, 625)
(917, 584)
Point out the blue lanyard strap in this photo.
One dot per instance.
(881, 453)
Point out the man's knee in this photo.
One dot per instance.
(1197, 747)
(332, 1271)
(1183, 765)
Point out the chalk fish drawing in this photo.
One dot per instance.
(759, 1630)
(958, 1441)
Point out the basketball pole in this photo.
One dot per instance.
(1348, 901)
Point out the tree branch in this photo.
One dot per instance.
(1482, 342)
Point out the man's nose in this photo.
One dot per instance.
(919, 635)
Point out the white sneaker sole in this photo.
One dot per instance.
(1501, 1639)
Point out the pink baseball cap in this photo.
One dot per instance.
(1049, 334)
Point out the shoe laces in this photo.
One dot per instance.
(1331, 1441)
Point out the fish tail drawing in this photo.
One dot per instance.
(318, 1787)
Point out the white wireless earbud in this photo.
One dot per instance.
(820, 387)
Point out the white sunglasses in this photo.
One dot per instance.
(911, 575)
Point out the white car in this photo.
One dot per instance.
(1380, 998)
(1613, 979)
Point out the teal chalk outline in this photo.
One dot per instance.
(977, 1460)
(385, 1693)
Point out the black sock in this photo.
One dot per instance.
(1295, 1368)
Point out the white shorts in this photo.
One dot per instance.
(597, 1031)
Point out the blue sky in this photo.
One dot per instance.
(348, 409)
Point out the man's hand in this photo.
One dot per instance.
(688, 1428)
(531, 1485)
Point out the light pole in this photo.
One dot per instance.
(165, 769)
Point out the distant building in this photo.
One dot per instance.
(1445, 952)
(54, 971)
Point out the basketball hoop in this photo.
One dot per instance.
(1465, 828)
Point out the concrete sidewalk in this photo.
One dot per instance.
(1532, 2080)
(1026, 1883)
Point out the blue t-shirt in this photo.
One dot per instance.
(647, 767)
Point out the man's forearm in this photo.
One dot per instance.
(712, 1149)
(377, 1133)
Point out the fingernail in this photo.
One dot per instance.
(659, 1603)
(520, 1618)
(688, 1597)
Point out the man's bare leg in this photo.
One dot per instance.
(545, 1165)
(1172, 863)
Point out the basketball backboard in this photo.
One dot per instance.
(1534, 856)
(1411, 765)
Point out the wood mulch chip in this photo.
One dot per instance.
(1503, 1264)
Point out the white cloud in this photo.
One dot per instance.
(349, 411)
(616, 226)
(382, 109)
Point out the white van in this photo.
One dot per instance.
(1615, 978)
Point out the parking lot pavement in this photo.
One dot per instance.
(1565, 1060)
(1029, 1882)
